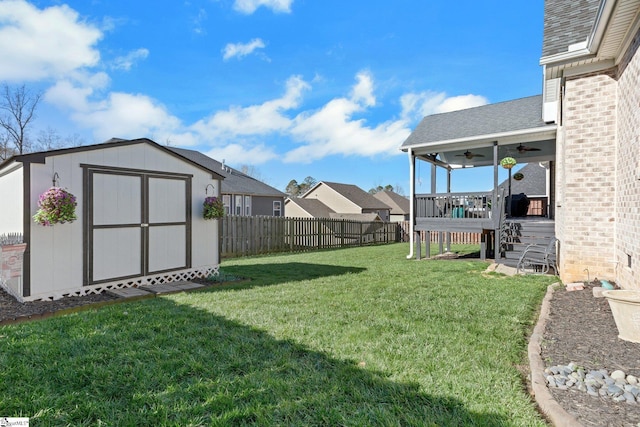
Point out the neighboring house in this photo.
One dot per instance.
(586, 125)
(307, 208)
(534, 185)
(242, 194)
(399, 205)
(339, 200)
(139, 219)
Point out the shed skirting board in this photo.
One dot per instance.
(157, 279)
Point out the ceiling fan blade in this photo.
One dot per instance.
(469, 155)
(523, 148)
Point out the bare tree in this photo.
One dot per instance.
(19, 106)
(49, 139)
(252, 171)
(6, 148)
(74, 140)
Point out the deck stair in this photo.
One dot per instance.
(522, 232)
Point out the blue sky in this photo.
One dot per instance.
(293, 88)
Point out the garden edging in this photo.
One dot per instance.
(547, 404)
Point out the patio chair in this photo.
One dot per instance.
(539, 259)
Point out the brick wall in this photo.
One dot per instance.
(585, 178)
(627, 234)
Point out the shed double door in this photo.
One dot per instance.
(138, 224)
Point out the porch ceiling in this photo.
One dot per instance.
(523, 152)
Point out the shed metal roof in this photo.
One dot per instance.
(40, 156)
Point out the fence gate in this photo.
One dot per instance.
(136, 223)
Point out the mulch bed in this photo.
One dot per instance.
(580, 329)
(12, 311)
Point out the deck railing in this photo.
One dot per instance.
(454, 205)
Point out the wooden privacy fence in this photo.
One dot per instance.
(457, 238)
(254, 235)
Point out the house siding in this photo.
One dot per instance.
(627, 234)
(295, 211)
(585, 174)
(264, 205)
(334, 200)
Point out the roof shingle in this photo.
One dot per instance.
(508, 116)
(567, 22)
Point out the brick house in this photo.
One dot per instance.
(586, 125)
(591, 90)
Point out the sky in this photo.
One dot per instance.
(289, 88)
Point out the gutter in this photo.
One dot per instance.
(483, 140)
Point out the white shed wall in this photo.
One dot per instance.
(11, 203)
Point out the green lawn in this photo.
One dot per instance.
(348, 337)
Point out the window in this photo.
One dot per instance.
(238, 205)
(226, 201)
(277, 208)
(247, 205)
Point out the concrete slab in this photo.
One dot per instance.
(128, 292)
(501, 268)
(188, 285)
(165, 288)
(161, 288)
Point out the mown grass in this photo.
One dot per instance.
(348, 337)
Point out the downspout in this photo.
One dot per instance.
(412, 188)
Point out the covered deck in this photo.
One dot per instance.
(477, 137)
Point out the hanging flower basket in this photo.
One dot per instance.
(508, 162)
(55, 206)
(518, 176)
(213, 208)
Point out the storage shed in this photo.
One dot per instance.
(139, 219)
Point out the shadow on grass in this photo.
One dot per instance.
(158, 363)
(276, 273)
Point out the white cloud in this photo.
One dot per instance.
(239, 153)
(127, 61)
(259, 119)
(198, 22)
(417, 105)
(363, 90)
(250, 6)
(461, 102)
(332, 129)
(38, 44)
(121, 115)
(241, 49)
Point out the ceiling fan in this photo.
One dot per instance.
(523, 148)
(469, 155)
